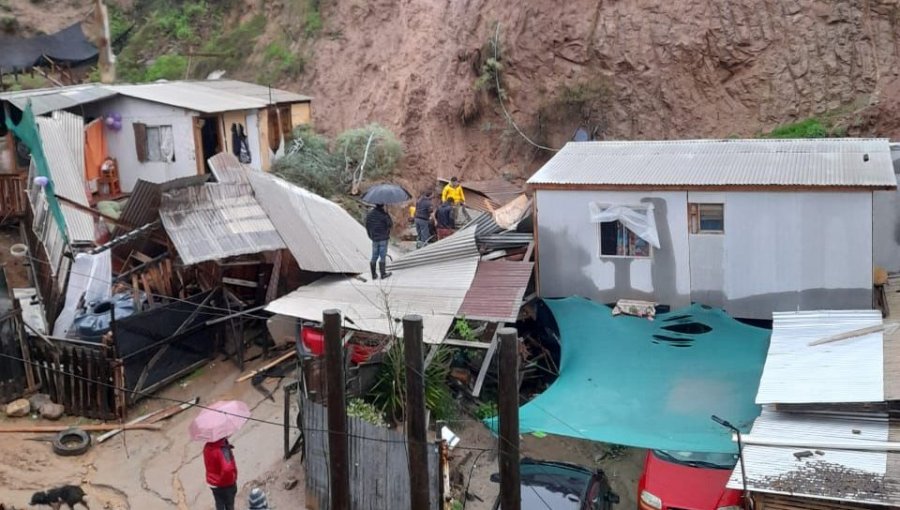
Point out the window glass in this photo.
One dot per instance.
(617, 241)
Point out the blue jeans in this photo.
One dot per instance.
(379, 250)
(423, 232)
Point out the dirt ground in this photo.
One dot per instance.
(148, 470)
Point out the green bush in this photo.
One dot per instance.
(486, 410)
(313, 18)
(167, 67)
(233, 45)
(280, 62)
(389, 392)
(809, 128)
(309, 163)
(358, 408)
(384, 153)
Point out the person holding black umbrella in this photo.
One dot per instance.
(378, 227)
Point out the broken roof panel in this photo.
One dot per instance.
(268, 94)
(63, 140)
(435, 290)
(849, 370)
(320, 234)
(821, 472)
(832, 162)
(216, 221)
(497, 291)
(59, 98)
(226, 168)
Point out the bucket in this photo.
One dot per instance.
(18, 250)
(314, 339)
(362, 353)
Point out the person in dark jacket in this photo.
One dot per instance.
(221, 472)
(378, 227)
(444, 219)
(424, 214)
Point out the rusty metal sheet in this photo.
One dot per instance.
(497, 291)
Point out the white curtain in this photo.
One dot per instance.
(166, 144)
(638, 219)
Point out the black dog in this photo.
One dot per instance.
(68, 494)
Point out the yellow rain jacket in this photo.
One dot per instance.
(455, 193)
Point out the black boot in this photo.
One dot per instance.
(372, 267)
(384, 273)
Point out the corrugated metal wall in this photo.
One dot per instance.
(379, 476)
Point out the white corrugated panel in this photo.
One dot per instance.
(190, 96)
(215, 221)
(320, 234)
(849, 370)
(843, 475)
(261, 92)
(62, 138)
(825, 162)
(57, 98)
(435, 291)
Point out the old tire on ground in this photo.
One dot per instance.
(71, 442)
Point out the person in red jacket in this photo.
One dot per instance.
(221, 472)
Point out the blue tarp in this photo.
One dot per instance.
(650, 384)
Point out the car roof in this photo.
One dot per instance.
(557, 484)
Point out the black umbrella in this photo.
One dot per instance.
(386, 194)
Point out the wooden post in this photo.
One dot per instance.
(415, 413)
(338, 450)
(510, 488)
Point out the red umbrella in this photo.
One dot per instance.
(219, 420)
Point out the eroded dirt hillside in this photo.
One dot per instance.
(624, 69)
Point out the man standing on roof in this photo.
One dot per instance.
(454, 190)
(444, 219)
(424, 216)
(378, 227)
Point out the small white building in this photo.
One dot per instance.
(752, 226)
(168, 129)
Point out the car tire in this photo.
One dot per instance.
(71, 442)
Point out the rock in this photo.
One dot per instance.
(18, 408)
(290, 484)
(39, 399)
(51, 411)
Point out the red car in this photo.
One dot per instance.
(687, 481)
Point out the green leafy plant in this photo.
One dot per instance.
(280, 62)
(358, 408)
(309, 163)
(389, 392)
(313, 21)
(486, 410)
(371, 152)
(809, 128)
(464, 330)
(167, 67)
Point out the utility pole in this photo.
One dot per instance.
(510, 486)
(338, 451)
(417, 444)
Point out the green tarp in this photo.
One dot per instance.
(650, 384)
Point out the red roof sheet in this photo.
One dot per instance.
(497, 290)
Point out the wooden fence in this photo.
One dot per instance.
(80, 377)
(379, 472)
(16, 371)
(12, 196)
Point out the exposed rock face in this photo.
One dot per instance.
(674, 69)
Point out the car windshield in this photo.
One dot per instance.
(552, 486)
(700, 460)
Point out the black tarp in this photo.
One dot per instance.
(68, 46)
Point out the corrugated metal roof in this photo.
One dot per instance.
(63, 140)
(432, 286)
(826, 162)
(190, 96)
(215, 221)
(497, 291)
(261, 92)
(59, 98)
(843, 475)
(848, 370)
(227, 169)
(320, 234)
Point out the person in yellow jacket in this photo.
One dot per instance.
(453, 191)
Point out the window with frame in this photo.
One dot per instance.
(154, 143)
(617, 241)
(706, 218)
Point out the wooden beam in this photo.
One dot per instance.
(267, 366)
(466, 343)
(239, 282)
(848, 335)
(486, 364)
(87, 428)
(528, 252)
(84, 208)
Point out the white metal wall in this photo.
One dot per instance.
(122, 145)
(780, 252)
(569, 255)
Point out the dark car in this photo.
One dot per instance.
(562, 486)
